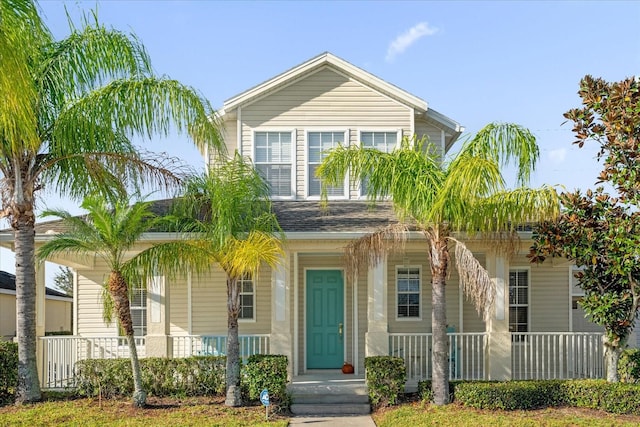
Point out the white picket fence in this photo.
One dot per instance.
(466, 355)
(559, 355)
(534, 355)
(216, 345)
(62, 352)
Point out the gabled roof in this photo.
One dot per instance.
(8, 282)
(329, 60)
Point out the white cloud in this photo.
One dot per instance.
(409, 37)
(557, 156)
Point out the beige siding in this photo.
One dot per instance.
(549, 295)
(7, 316)
(57, 315)
(178, 307)
(89, 297)
(431, 132)
(209, 305)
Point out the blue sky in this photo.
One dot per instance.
(476, 62)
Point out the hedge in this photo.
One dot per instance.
(619, 398)
(8, 371)
(385, 376)
(192, 376)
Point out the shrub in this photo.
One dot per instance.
(629, 366)
(193, 376)
(386, 376)
(8, 371)
(426, 394)
(618, 398)
(265, 371)
(510, 395)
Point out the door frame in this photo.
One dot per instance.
(305, 314)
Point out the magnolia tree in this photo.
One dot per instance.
(598, 231)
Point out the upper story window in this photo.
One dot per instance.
(274, 160)
(408, 292)
(319, 143)
(518, 302)
(383, 141)
(247, 299)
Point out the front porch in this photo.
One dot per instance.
(548, 355)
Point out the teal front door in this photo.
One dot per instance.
(325, 319)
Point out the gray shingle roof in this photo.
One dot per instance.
(300, 216)
(8, 282)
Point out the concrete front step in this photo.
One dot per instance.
(330, 398)
(328, 409)
(329, 393)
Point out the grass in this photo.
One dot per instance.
(61, 410)
(115, 412)
(422, 414)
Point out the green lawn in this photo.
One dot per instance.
(421, 414)
(161, 412)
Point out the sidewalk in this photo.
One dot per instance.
(333, 421)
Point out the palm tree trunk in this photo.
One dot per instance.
(28, 384)
(234, 394)
(440, 353)
(120, 294)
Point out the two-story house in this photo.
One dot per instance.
(306, 308)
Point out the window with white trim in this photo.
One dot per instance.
(518, 301)
(383, 141)
(408, 292)
(247, 298)
(274, 161)
(318, 145)
(138, 307)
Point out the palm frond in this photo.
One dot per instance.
(372, 248)
(171, 259)
(505, 143)
(476, 283)
(245, 256)
(22, 33)
(146, 107)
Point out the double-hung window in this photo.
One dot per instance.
(138, 308)
(319, 143)
(408, 292)
(518, 302)
(274, 160)
(383, 141)
(247, 299)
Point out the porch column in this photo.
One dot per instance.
(498, 355)
(281, 340)
(377, 336)
(40, 317)
(157, 340)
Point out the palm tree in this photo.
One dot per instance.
(466, 194)
(108, 232)
(69, 111)
(229, 209)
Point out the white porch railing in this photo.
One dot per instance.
(62, 352)
(193, 345)
(557, 355)
(466, 355)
